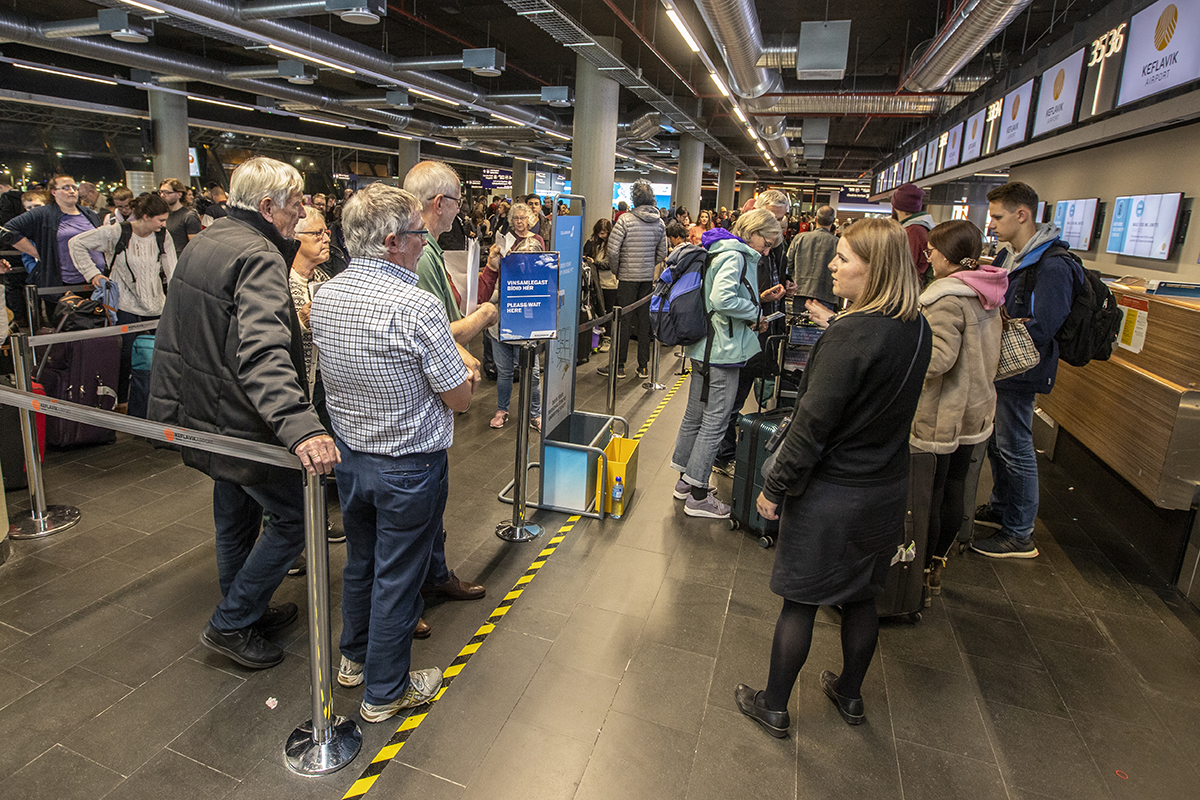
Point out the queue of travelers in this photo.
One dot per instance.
(360, 370)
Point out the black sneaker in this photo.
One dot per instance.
(246, 646)
(333, 535)
(643, 372)
(276, 618)
(621, 372)
(987, 516)
(725, 468)
(1004, 546)
(298, 567)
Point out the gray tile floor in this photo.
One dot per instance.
(1073, 676)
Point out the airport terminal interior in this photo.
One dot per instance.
(602, 662)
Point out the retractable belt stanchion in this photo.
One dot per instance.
(41, 520)
(33, 307)
(325, 743)
(653, 383)
(613, 347)
(520, 529)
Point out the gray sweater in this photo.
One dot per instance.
(638, 241)
(809, 256)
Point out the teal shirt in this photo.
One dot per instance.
(733, 303)
(432, 277)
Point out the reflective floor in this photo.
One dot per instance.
(1075, 675)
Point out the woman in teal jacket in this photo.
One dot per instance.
(731, 294)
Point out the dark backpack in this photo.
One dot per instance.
(123, 245)
(1090, 330)
(677, 312)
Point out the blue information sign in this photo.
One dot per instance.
(559, 381)
(529, 297)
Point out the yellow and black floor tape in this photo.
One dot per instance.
(414, 720)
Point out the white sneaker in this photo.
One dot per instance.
(350, 673)
(423, 685)
(710, 507)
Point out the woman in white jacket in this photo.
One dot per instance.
(141, 269)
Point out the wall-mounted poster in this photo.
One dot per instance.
(1015, 117)
(918, 159)
(1163, 49)
(973, 136)
(1056, 100)
(931, 158)
(953, 146)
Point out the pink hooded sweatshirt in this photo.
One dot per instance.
(990, 284)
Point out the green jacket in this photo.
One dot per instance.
(735, 303)
(431, 276)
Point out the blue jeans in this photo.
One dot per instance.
(250, 565)
(1014, 464)
(506, 359)
(392, 512)
(704, 424)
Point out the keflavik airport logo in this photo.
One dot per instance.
(1060, 81)
(1016, 106)
(1166, 27)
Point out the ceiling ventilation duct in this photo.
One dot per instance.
(642, 129)
(823, 50)
(556, 96)
(293, 71)
(850, 105)
(113, 21)
(734, 27)
(973, 25)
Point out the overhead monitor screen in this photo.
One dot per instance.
(662, 194)
(931, 156)
(1162, 50)
(953, 146)
(1143, 225)
(1041, 211)
(918, 160)
(973, 136)
(1056, 100)
(1076, 221)
(1103, 71)
(1015, 117)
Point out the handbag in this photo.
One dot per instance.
(769, 461)
(1018, 353)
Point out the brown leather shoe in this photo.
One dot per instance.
(456, 589)
(422, 631)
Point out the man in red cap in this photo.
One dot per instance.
(906, 209)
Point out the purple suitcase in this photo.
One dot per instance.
(83, 372)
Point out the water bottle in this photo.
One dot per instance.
(618, 492)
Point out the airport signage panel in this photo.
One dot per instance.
(1060, 89)
(1163, 50)
(931, 154)
(918, 163)
(953, 146)
(973, 136)
(1015, 119)
(1103, 72)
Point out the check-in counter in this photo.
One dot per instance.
(1139, 412)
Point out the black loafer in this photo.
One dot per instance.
(246, 646)
(276, 618)
(851, 710)
(749, 702)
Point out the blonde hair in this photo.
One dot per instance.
(760, 221)
(260, 177)
(892, 287)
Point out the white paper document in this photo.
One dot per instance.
(463, 268)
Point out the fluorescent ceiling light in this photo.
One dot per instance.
(322, 122)
(433, 96)
(720, 84)
(490, 153)
(761, 146)
(509, 120)
(65, 74)
(737, 111)
(313, 59)
(396, 135)
(538, 11)
(559, 136)
(448, 144)
(238, 106)
(683, 31)
(143, 7)
(581, 44)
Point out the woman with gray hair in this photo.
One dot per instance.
(506, 354)
(731, 298)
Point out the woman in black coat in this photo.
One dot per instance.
(840, 482)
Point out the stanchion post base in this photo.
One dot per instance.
(56, 519)
(526, 533)
(305, 757)
(652, 385)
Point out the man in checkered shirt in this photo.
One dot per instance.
(393, 379)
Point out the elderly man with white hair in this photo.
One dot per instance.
(228, 359)
(394, 377)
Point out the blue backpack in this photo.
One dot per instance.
(677, 312)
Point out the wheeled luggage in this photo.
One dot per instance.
(12, 448)
(966, 533)
(754, 430)
(139, 376)
(904, 589)
(83, 372)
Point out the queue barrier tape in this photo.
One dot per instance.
(93, 333)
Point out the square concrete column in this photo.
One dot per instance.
(594, 144)
(169, 120)
(520, 178)
(691, 171)
(725, 179)
(408, 155)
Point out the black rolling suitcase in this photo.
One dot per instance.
(904, 589)
(966, 533)
(83, 372)
(754, 430)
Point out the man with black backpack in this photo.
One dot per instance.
(1042, 284)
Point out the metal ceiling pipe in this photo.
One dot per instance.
(641, 129)
(476, 133)
(71, 27)
(734, 27)
(16, 28)
(371, 64)
(836, 105)
(275, 9)
(973, 24)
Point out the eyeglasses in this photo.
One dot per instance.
(318, 234)
(68, 188)
(457, 200)
(929, 252)
(421, 232)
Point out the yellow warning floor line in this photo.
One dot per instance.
(413, 721)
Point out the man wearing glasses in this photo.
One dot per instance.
(440, 191)
(183, 223)
(43, 233)
(393, 379)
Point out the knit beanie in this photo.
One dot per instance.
(908, 197)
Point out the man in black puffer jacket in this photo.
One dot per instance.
(228, 359)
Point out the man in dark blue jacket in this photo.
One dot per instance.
(1043, 296)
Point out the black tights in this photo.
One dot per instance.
(793, 637)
